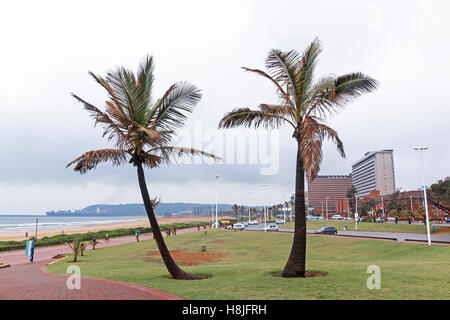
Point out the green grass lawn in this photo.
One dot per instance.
(408, 271)
(366, 226)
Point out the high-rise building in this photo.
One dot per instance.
(325, 191)
(375, 171)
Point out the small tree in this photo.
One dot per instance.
(408, 214)
(76, 249)
(395, 214)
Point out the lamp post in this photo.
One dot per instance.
(249, 206)
(382, 207)
(321, 212)
(217, 205)
(265, 211)
(326, 205)
(356, 213)
(425, 194)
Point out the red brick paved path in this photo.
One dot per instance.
(31, 281)
(25, 280)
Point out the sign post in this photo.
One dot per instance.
(29, 251)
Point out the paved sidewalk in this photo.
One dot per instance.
(33, 282)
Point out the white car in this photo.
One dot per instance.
(271, 227)
(348, 218)
(253, 222)
(238, 226)
(280, 221)
(336, 217)
(390, 218)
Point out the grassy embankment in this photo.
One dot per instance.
(408, 271)
(64, 238)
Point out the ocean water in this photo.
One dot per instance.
(17, 223)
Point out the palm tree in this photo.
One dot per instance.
(76, 247)
(304, 105)
(142, 129)
(235, 208)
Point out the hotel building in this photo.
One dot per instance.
(375, 171)
(325, 191)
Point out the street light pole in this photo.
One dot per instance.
(412, 210)
(356, 213)
(321, 212)
(217, 204)
(425, 194)
(382, 207)
(249, 206)
(326, 205)
(265, 211)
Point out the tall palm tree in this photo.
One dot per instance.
(304, 105)
(142, 129)
(235, 208)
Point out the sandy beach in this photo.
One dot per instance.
(110, 226)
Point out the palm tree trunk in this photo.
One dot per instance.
(295, 266)
(175, 271)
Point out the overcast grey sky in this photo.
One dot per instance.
(48, 47)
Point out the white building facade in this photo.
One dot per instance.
(375, 171)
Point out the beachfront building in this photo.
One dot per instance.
(325, 191)
(375, 171)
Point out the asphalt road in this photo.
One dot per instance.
(370, 234)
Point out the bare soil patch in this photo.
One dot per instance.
(185, 258)
(442, 230)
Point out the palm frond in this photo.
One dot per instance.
(170, 154)
(91, 159)
(113, 129)
(145, 75)
(331, 96)
(282, 67)
(169, 112)
(279, 110)
(312, 134)
(247, 118)
(305, 70)
(283, 95)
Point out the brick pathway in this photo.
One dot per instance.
(25, 280)
(33, 282)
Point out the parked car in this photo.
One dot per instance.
(336, 217)
(238, 226)
(379, 219)
(390, 218)
(448, 220)
(245, 224)
(280, 221)
(253, 222)
(271, 227)
(348, 218)
(326, 230)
